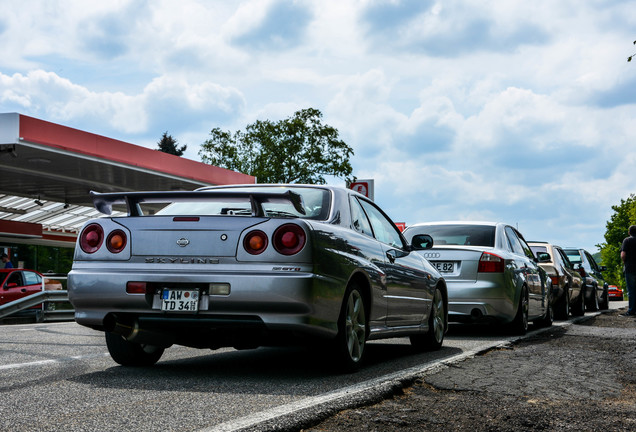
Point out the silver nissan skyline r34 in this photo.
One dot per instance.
(252, 265)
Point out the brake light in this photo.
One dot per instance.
(255, 242)
(555, 280)
(490, 263)
(289, 239)
(91, 238)
(116, 241)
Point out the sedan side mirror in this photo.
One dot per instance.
(421, 242)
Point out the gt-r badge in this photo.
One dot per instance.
(183, 242)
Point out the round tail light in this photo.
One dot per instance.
(255, 242)
(116, 241)
(289, 239)
(91, 238)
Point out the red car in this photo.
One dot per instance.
(614, 292)
(18, 283)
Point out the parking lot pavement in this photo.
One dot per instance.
(577, 376)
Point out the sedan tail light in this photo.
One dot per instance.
(289, 239)
(255, 242)
(555, 280)
(91, 238)
(490, 263)
(116, 241)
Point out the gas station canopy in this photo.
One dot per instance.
(47, 171)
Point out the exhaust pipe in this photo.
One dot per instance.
(130, 330)
(476, 314)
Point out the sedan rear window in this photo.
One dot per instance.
(573, 255)
(465, 235)
(314, 204)
(539, 249)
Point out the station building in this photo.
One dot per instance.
(47, 171)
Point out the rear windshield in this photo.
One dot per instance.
(573, 255)
(314, 204)
(468, 235)
(539, 249)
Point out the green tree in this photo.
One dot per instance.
(616, 230)
(299, 149)
(168, 144)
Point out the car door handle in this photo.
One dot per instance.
(23, 290)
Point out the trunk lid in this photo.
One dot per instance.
(212, 236)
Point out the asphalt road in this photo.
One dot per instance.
(59, 377)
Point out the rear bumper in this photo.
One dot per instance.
(296, 301)
(485, 300)
(480, 311)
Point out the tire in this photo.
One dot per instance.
(519, 325)
(130, 353)
(548, 318)
(437, 325)
(604, 305)
(562, 306)
(593, 305)
(353, 326)
(579, 307)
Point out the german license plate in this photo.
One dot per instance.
(173, 300)
(444, 267)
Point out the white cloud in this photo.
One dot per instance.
(497, 110)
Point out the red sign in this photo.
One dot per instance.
(401, 226)
(361, 188)
(364, 187)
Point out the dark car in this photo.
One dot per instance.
(252, 265)
(18, 283)
(596, 288)
(567, 283)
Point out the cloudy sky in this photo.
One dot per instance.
(515, 111)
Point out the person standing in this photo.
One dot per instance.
(6, 261)
(628, 256)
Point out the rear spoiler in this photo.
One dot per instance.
(104, 202)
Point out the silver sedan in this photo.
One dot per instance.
(252, 265)
(491, 273)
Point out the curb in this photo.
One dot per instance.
(312, 410)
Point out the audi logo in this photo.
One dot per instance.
(431, 255)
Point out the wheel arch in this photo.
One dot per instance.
(517, 301)
(362, 281)
(441, 285)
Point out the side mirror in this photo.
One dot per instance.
(421, 242)
(543, 257)
(10, 285)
